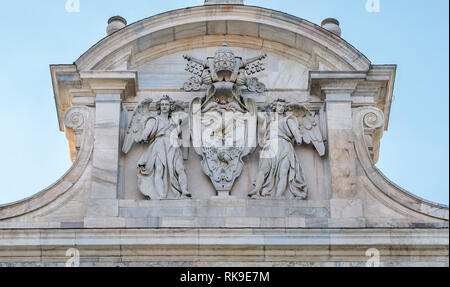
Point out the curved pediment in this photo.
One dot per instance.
(346, 98)
(223, 134)
(212, 25)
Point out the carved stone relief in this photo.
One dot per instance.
(223, 127)
(223, 121)
(161, 172)
(280, 174)
(224, 67)
(75, 120)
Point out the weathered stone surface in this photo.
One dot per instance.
(350, 206)
(253, 247)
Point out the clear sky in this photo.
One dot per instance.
(410, 33)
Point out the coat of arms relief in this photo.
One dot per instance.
(223, 127)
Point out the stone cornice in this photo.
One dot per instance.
(64, 77)
(381, 78)
(74, 88)
(203, 14)
(225, 237)
(121, 82)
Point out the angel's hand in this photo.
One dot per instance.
(142, 168)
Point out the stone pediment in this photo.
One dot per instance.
(121, 101)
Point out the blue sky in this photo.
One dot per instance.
(411, 34)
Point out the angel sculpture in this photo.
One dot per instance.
(161, 172)
(280, 174)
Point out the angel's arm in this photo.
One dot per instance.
(293, 127)
(149, 130)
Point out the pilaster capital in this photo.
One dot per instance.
(123, 83)
(335, 86)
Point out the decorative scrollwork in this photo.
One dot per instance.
(373, 119)
(223, 76)
(368, 123)
(223, 163)
(75, 118)
(224, 59)
(193, 84)
(224, 66)
(254, 85)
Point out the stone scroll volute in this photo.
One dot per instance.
(77, 121)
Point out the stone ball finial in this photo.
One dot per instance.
(115, 24)
(332, 25)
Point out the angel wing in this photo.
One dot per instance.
(137, 124)
(309, 126)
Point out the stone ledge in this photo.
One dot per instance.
(225, 237)
(226, 247)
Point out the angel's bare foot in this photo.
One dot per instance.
(254, 194)
(185, 196)
(266, 194)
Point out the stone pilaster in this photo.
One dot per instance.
(109, 89)
(345, 206)
(103, 198)
(340, 139)
(336, 91)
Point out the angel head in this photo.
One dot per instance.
(278, 106)
(166, 105)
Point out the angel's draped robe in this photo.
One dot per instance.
(277, 148)
(164, 149)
